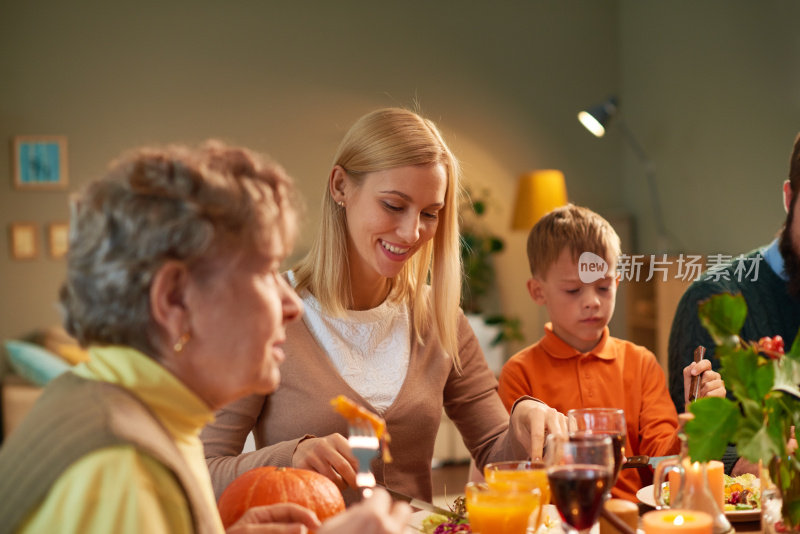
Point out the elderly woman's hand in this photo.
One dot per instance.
(711, 383)
(283, 518)
(329, 456)
(374, 515)
(531, 421)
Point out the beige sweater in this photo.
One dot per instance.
(73, 418)
(300, 407)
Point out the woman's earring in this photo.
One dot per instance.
(341, 203)
(182, 341)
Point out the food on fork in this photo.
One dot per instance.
(355, 413)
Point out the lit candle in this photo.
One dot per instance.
(714, 471)
(676, 521)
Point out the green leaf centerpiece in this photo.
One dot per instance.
(766, 412)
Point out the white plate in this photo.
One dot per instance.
(645, 495)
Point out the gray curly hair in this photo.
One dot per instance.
(199, 206)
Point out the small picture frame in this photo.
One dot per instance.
(40, 162)
(24, 242)
(58, 239)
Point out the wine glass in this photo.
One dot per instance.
(579, 473)
(584, 423)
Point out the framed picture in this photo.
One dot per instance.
(24, 245)
(40, 162)
(58, 238)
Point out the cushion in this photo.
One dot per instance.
(34, 363)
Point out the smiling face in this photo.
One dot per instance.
(238, 316)
(579, 312)
(390, 216)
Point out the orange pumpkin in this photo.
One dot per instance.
(271, 485)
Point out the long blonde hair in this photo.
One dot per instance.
(385, 139)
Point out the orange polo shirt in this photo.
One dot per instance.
(614, 374)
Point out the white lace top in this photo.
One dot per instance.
(369, 348)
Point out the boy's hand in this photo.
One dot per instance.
(531, 421)
(711, 383)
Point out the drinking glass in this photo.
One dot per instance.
(583, 423)
(501, 511)
(579, 473)
(527, 476)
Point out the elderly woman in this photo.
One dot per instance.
(381, 289)
(172, 281)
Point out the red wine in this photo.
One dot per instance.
(617, 443)
(577, 491)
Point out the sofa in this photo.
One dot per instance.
(17, 398)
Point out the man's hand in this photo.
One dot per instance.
(711, 383)
(742, 466)
(531, 421)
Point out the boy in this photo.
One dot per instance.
(577, 364)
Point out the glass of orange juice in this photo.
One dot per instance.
(501, 511)
(519, 476)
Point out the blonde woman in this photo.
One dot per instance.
(380, 286)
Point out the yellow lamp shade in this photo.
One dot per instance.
(538, 192)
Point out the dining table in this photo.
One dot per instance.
(553, 524)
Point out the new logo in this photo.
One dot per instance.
(591, 267)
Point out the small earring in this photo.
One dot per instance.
(184, 339)
(341, 203)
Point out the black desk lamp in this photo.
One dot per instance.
(595, 119)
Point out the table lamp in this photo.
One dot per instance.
(538, 192)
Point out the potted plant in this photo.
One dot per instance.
(478, 247)
(765, 415)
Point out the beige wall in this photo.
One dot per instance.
(504, 81)
(712, 89)
(288, 79)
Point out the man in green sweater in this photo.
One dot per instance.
(769, 280)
